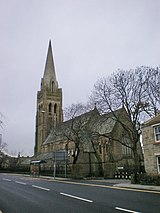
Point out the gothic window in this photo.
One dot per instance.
(106, 147)
(52, 86)
(126, 150)
(50, 109)
(100, 148)
(55, 109)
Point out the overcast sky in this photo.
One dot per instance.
(90, 39)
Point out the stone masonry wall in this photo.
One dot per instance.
(151, 149)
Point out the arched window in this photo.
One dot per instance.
(100, 148)
(50, 109)
(126, 146)
(52, 86)
(55, 108)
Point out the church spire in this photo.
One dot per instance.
(49, 103)
(49, 71)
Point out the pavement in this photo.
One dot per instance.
(121, 183)
(138, 186)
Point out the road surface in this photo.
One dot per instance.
(23, 194)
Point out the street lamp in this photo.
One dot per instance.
(43, 136)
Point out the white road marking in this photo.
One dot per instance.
(22, 183)
(109, 187)
(6, 179)
(126, 210)
(79, 198)
(39, 187)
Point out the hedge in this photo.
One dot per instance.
(146, 179)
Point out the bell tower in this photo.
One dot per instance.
(49, 103)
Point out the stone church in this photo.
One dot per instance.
(83, 146)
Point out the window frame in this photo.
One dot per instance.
(126, 151)
(52, 86)
(55, 108)
(100, 148)
(156, 133)
(50, 108)
(158, 163)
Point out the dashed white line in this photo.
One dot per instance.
(109, 187)
(6, 179)
(22, 183)
(79, 198)
(39, 187)
(126, 210)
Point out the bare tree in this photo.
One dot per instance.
(79, 130)
(153, 90)
(76, 126)
(3, 146)
(1, 120)
(137, 91)
(74, 110)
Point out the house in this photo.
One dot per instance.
(151, 145)
(14, 163)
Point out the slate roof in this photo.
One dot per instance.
(45, 156)
(105, 123)
(102, 124)
(152, 121)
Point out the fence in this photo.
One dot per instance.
(65, 169)
(122, 175)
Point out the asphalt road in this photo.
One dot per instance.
(22, 194)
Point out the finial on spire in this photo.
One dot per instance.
(50, 43)
(95, 108)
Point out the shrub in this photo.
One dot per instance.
(146, 179)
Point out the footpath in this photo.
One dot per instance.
(138, 186)
(112, 182)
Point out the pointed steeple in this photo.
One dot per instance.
(49, 71)
(49, 103)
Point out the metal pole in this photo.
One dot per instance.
(65, 165)
(90, 167)
(54, 165)
(43, 132)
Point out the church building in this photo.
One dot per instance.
(83, 146)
